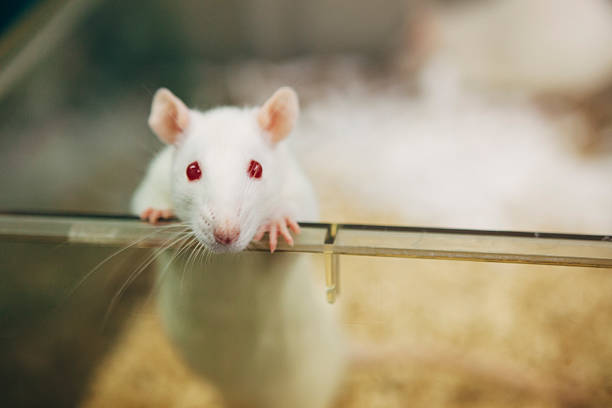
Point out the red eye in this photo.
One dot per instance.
(193, 171)
(254, 170)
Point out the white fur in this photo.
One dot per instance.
(155, 189)
(253, 324)
(224, 141)
(451, 157)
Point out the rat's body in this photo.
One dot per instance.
(253, 324)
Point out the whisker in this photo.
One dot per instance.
(195, 262)
(136, 273)
(111, 256)
(190, 259)
(188, 239)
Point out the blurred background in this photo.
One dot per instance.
(489, 114)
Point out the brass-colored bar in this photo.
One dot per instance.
(400, 242)
(332, 278)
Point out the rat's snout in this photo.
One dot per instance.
(226, 233)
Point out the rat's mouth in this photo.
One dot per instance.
(225, 249)
(218, 246)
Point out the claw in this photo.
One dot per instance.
(260, 233)
(293, 225)
(285, 233)
(276, 227)
(273, 238)
(145, 214)
(152, 215)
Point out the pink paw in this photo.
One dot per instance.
(275, 227)
(152, 216)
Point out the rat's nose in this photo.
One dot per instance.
(226, 235)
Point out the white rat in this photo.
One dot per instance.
(253, 324)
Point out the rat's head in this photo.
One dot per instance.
(228, 167)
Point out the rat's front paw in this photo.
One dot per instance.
(275, 227)
(152, 216)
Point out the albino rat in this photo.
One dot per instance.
(253, 324)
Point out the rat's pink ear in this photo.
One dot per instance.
(169, 116)
(279, 114)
